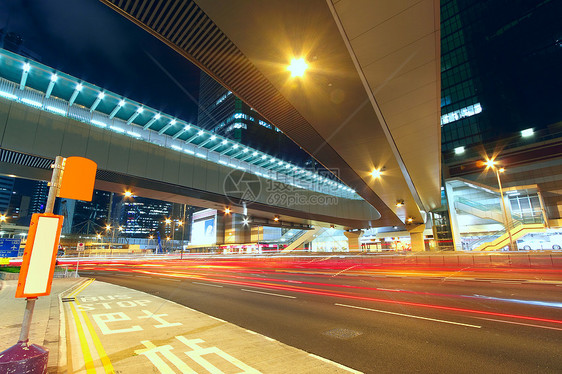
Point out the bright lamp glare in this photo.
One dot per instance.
(526, 133)
(376, 173)
(297, 67)
(490, 163)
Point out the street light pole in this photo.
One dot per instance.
(506, 222)
(490, 163)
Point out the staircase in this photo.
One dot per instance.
(519, 227)
(516, 233)
(479, 210)
(305, 237)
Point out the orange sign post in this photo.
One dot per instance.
(72, 178)
(78, 177)
(39, 256)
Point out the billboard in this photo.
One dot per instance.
(203, 232)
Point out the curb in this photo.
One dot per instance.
(58, 344)
(9, 276)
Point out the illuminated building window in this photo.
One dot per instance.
(461, 113)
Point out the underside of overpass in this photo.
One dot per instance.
(31, 138)
(370, 99)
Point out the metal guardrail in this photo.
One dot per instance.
(474, 204)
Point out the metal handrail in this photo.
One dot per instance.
(478, 206)
(514, 223)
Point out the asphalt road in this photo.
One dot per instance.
(375, 323)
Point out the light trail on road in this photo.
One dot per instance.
(231, 275)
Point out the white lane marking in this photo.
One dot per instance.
(170, 279)
(217, 319)
(269, 293)
(207, 284)
(387, 289)
(541, 281)
(351, 267)
(520, 323)
(335, 363)
(409, 315)
(506, 282)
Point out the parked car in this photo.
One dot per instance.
(536, 245)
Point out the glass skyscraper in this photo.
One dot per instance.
(500, 70)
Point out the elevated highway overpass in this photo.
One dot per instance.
(368, 104)
(45, 113)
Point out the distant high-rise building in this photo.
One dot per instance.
(39, 197)
(141, 217)
(224, 113)
(500, 69)
(6, 189)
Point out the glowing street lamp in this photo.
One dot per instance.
(297, 67)
(491, 164)
(128, 193)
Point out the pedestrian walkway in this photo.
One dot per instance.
(95, 327)
(115, 329)
(45, 325)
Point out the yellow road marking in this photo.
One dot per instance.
(97, 343)
(81, 288)
(108, 367)
(88, 362)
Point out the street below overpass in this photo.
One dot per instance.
(372, 320)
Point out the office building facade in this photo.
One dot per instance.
(500, 79)
(222, 112)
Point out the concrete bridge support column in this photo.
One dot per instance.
(353, 239)
(416, 238)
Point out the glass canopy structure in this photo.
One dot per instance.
(44, 88)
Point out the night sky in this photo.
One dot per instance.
(86, 39)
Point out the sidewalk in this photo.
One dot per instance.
(45, 326)
(112, 329)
